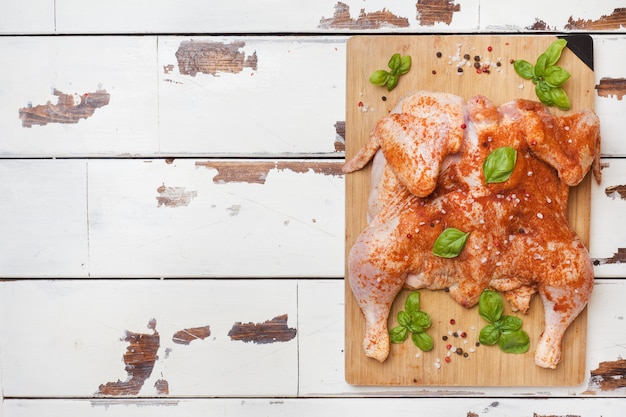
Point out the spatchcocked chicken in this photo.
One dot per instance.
(428, 175)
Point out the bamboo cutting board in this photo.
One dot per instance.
(365, 105)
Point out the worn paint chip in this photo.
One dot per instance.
(374, 20)
(618, 257)
(609, 375)
(270, 331)
(430, 12)
(615, 190)
(213, 57)
(614, 20)
(340, 139)
(186, 336)
(140, 357)
(174, 196)
(256, 172)
(69, 109)
(609, 87)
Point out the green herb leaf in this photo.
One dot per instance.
(544, 93)
(398, 334)
(509, 324)
(392, 82)
(420, 321)
(450, 243)
(404, 318)
(489, 335)
(405, 65)
(540, 65)
(514, 342)
(394, 63)
(560, 98)
(423, 341)
(556, 76)
(412, 303)
(524, 69)
(553, 53)
(379, 77)
(490, 306)
(499, 164)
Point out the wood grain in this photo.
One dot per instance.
(451, 73)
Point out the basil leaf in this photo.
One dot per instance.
(420, 321)
(544, 93)
(509, 324)
(489, 335)
(398, 334)
(499, 164)
(553, 53)
(490, 306)
(392, 82)
(514, 342)
(556, 76)
(423, 341)
(394, 63)
(405, 65)
(450, 243)
(404, 319)
(412, 303)
(524, 69)
(540, 65)
(379, 77)
(560, 99)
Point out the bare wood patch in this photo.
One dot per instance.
(270, 331)
(614, 190)
(540, 25)
(340, 141)
(256, 172)
(174, 196)
(610, 375)
(612, 87)
(186, 336)
(70, 108)
(617, 258)
(162, 387)
(375, 20)
(430, 12)
(213, 57)
(140, 356)
(615, 20)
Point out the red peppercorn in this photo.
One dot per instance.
(463, 126)
(463, 335)
(448, 346)
(452, 321)
(489, 48)
(448, 359)
(360, 104)
(409, 236)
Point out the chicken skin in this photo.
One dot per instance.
(428, 175)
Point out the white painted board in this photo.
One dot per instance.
(65, 338)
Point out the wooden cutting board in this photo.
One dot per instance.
(365, 105)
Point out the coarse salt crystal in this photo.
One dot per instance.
(549, 200)
(483, 261)
(540, 215)
(530, 173)
(472, 350)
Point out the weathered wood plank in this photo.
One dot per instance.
(253, 95)
(111, 338)
(72, 338)
(196, 218)
(212, 96)
(196, 16)
(363, 407)
(69, 96)
(606, 15)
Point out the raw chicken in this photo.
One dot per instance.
(428, 175)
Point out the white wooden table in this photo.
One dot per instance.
(176, 246)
